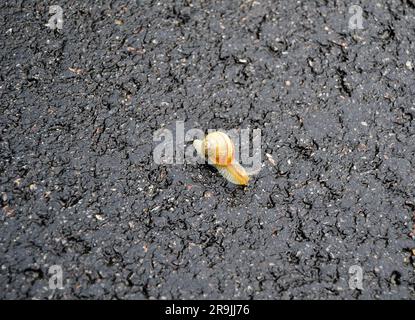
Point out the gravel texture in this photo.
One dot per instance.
(79, 187)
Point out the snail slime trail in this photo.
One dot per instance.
(177, 310)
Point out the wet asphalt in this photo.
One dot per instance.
(80, 189)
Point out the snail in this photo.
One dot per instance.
(219, 149)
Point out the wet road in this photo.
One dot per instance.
(80, 190)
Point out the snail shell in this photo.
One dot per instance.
(219, 149)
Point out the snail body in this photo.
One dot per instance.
(219, 150)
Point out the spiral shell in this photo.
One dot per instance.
(219, 148)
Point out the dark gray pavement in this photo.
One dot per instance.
(79, 187)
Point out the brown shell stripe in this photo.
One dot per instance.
(217, 155)
(229, 148)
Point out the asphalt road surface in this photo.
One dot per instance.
(80, 190)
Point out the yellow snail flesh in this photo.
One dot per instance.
(219, 149)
